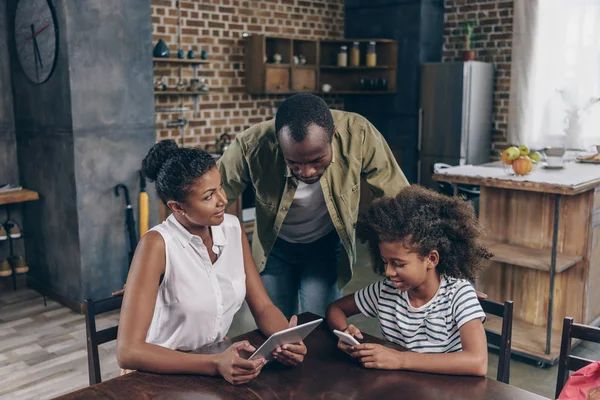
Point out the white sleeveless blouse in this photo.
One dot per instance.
(197, 300)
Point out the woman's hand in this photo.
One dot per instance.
(234, 368)
(290, 354)
(352, 331)
(376, 356)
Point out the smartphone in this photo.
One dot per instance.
(346, 338)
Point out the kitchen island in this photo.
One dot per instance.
(544, 231)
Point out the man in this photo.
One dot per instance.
(305, 167)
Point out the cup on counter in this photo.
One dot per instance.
(554, 156)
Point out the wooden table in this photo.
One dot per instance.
(327, 373)
(544, 231)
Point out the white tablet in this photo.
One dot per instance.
(346, 338)
(287, 336)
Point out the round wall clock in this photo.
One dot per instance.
(36, 38)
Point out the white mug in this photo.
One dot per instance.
(554, 161)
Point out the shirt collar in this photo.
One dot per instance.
(185, 237)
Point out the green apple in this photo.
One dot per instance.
(536, 157)
(512, 153)
(523, 150)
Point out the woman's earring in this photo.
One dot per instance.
(183, 214)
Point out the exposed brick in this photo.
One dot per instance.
(217, 26)
(492, 42)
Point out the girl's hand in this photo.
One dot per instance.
(290, 354)
(376, 356)
(234, 368)
(353, 331)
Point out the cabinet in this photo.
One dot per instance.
(287, 76)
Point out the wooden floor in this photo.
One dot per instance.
(43, 349)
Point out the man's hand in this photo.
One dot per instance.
(291, 354)
(481, 295)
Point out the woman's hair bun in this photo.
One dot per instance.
(156, 158)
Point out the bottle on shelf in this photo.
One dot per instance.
(342, 57)
(371, 55)
(355, 55)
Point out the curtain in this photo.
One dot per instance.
(555, 74)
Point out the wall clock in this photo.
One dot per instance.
(36, 38)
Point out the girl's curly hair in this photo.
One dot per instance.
(424, 220)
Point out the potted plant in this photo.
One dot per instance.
(469, 55)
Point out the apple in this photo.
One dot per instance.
(523, 150)
(512, 153)
(536, 157)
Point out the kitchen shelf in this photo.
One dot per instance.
(531, 258)
(320, 68)
(179, 61)
(359, 92)
(360, 67)
(176, 93)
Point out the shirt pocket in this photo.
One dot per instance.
(436, 329)
(351, 199)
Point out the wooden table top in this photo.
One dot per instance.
(327, 373)
(574, 188)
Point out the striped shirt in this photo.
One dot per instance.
(431, 328)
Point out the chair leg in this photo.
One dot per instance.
(565, 350)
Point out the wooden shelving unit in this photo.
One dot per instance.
(362, 67)
(528, 340)
(546, 243)
(18, 196)
(531, 258)
(8, 199)
(263, 76)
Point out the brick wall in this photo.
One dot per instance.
(217, 26)
(492, 42)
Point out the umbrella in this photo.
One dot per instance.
(143, 206)
(129, 220)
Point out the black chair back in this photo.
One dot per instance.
(96, 338)
(501, 340)
(567, 362)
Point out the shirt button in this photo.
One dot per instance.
(284, 208)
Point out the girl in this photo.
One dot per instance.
(190, 275)
(428, 246)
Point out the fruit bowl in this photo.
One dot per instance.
(520, 161)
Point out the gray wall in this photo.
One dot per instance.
(80, 133)
(45, 151)
(110, 51)
(9, 169)
(8, 143)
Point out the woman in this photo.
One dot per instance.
(190, 275)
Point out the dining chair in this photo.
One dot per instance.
(96, 338)
(501, 340)
(568, 362)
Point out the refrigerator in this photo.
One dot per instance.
(455, 116)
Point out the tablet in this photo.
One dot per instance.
(286, 336)
(346, 338)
